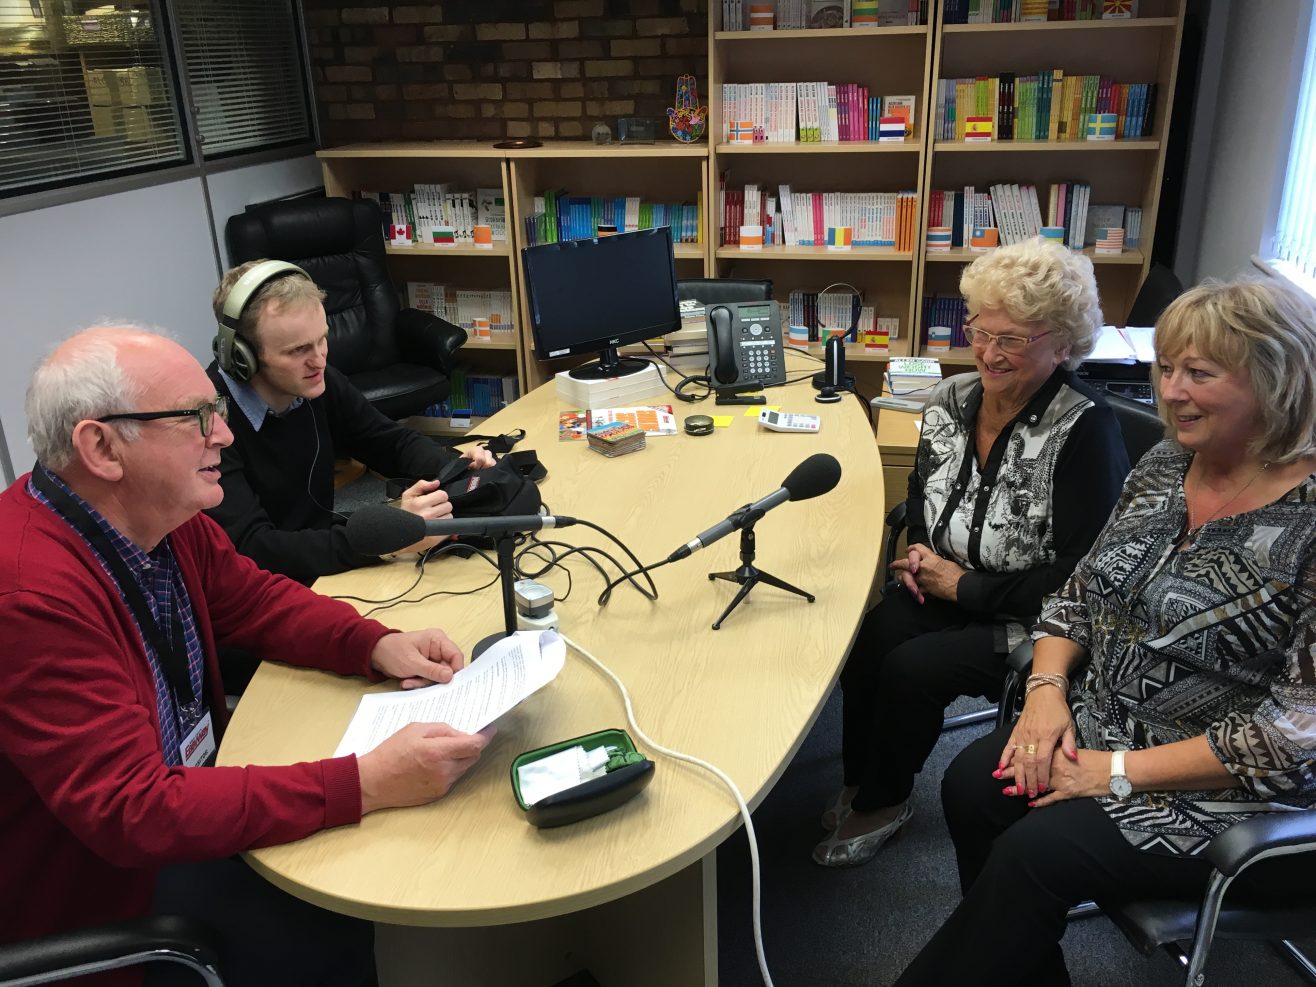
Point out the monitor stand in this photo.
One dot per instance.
(609, 364)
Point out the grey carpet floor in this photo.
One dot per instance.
(863, 925)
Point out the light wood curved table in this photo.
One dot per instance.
(743, 697)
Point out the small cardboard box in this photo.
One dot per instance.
(133, 123)
(139, 85)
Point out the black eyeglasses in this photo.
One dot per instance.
(205, 415)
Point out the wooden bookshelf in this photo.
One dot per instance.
(397, 167)
(661, 172)
(888, 61)
(1128, 172)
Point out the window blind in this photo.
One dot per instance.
(1295, 230)
(245, 71)
(83, 92)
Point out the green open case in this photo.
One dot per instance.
(588, 798)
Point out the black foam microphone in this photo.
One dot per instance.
(812, 478)
(378, 530)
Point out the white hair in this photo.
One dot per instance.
(81, 380)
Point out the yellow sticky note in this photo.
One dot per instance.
(722, 421)
(754, 411)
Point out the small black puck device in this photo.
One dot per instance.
(698, 425)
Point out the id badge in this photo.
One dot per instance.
(198, 747)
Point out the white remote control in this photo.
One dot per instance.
(780, 421)
(898, 404)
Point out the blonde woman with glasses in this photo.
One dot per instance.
(1018, 467)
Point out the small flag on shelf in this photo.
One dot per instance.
(891, 129)
(977, 128)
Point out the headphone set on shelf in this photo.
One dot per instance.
(235, 355)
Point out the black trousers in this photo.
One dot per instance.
(908, 663)
(268, 937)
(1022, 869)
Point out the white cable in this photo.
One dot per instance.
(721, 775)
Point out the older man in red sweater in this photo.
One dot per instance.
(114, 590)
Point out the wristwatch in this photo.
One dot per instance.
(1120, 786)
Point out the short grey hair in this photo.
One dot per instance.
(78, 382)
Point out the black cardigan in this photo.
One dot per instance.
(279, 482)
(1065, 430)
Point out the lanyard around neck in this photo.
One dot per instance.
(170, 653)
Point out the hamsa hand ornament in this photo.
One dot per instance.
(687, 118)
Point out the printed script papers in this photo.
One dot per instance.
(481, 692)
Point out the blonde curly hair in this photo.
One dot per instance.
(1042, 283)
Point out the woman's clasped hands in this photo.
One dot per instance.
(1042, 760)
(922, 572)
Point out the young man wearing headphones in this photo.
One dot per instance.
(293, 415)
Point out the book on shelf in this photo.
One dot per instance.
(1042, 106)
(808, 112)
(1017, 11)
(557, 216)
(462, 307)
(948, 311)
(1017, 211)
(482, 394)
(820, 311)
(799, 15)
(431, 208)
(801, 219)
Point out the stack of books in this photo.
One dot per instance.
(912, 378)
(614, 439)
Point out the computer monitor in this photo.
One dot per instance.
(591, 296)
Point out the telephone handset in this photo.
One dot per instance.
(745, 344)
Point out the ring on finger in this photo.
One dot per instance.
(1030, 749)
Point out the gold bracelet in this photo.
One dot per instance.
(1041, 679)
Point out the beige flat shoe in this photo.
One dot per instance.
(835, 852)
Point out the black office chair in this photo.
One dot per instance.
(1142, 428)
(714, 291)
(155, 939)
(399, 358)
(1159, 288)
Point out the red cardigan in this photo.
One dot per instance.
(88, 808)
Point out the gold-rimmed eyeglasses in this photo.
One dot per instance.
(980, 339)
(205, 415)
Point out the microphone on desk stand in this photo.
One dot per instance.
(378, 530)
(815, 476)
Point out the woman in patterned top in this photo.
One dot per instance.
(1196, 614)
(1018, 466)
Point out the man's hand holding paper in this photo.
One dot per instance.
(476, 695)
(417, 658)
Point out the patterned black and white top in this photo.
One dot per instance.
(1216, 639)
(1020, 521)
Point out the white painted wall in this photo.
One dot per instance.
(1264, 45)
(145, 256)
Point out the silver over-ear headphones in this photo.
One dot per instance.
(235, 355)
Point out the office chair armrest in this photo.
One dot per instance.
(65, 951)
(1264, 835)
(428, 340)
(1020, 661)
(896, 522)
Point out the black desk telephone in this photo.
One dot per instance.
(745, 345)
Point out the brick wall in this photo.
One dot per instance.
(486, 69)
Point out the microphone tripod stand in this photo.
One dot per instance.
(749, 575)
